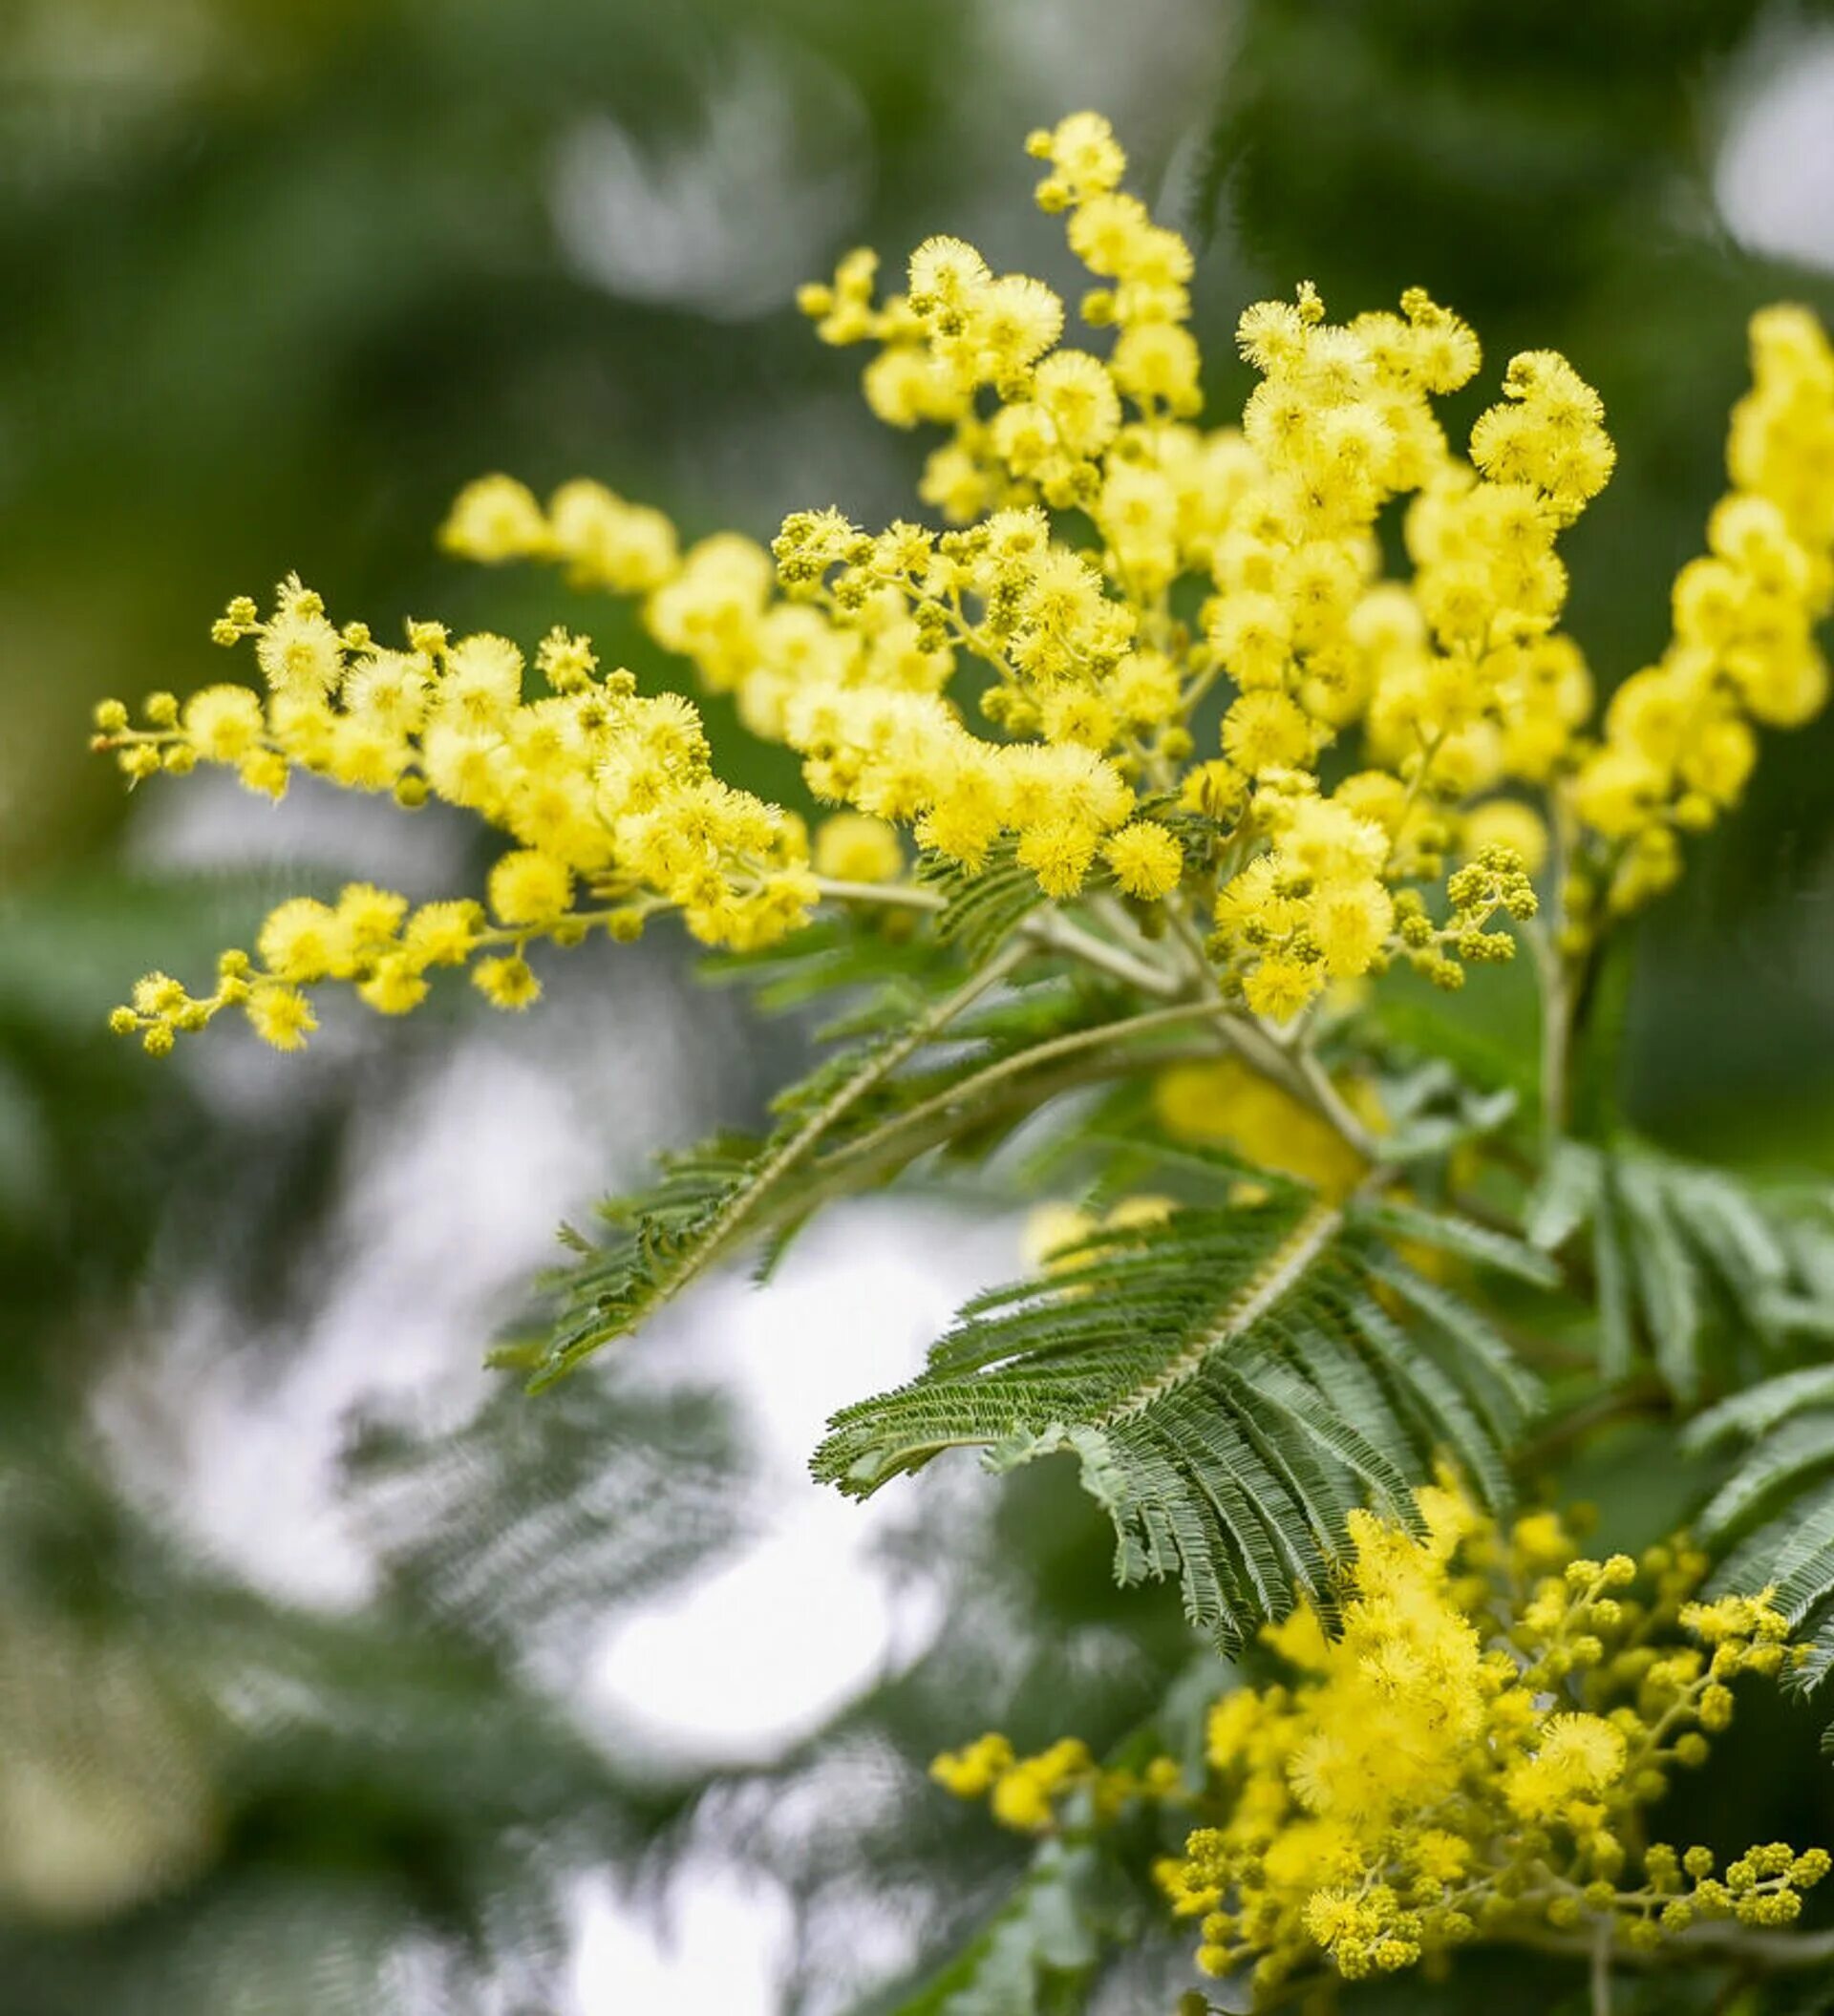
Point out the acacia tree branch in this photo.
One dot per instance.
(1006, 1068)
(1297, 1071)
(1762, 1951)
(1052, 928)
(1757, 1952)
(1047, 927)
(1601, 1969)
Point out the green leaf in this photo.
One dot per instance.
(1802, 1447)
(918, 1075)
(1753, 1413)
(1037, 1956)
(712, 1198)
(1567, 1196)
(1612, 1273)
(1665, 1271)
(1451, 1233)
(984, 908)
(1705, 1275)
(1495, 1382)
(1231, 1385)
(1780, 1496)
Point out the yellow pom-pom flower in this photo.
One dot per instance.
(1030, 687)
(1146, 860)
(852, 848)
(530, 887)
(1422, 1768)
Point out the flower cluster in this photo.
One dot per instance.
(1678, 743)
(1153, 700)
(610, 793)
(1029, 1795)
(1471, 1756)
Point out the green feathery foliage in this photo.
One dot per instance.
(1778, 1503)
(1038, 1955)
(1232, 1379)
(1703, 1275)
(980, 911)
(919, 1067)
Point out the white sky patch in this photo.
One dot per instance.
(453, 1194)
(715, 1948)
(734, 1667)
(1774, 178)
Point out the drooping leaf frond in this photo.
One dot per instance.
(1695, 1269)
(917, 1070)
(1233, 1380)
(1448, 1232)
(1778, 1502)
(531, 1523)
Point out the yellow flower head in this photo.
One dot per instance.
(1032, 685)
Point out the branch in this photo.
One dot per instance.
(1768, 1952)
(1601, 1969)
(1297, 1071)
(1758, 1951)
(983, 1081)
(1556, 1008)
(662, 1274)
(1049, 929)
(1052, 928)
(892, 896)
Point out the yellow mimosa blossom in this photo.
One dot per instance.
(1144, 769)
(1458, 1757)
(1110, 560)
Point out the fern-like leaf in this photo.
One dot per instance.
(1700, 1273)
(1233, 1380)
(917, 1072)
(1449, 1232)
(711, 1199)
(1778, 1503)
(981, 909)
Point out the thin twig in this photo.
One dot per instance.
(896, 895)
(1601, 1970)
(842, 1173)
(1756, 1952)
(1767, 1952)
(1300, 1075)
(1296, 1071)
(1203, 972)
(1046, 927)
(1005, 1068)
(1556, 1008)
(1052, 928)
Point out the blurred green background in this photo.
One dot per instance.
(323, 1674)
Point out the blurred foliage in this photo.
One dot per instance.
(279, 275)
